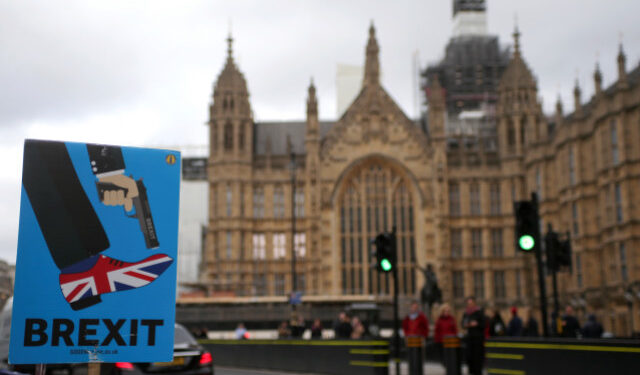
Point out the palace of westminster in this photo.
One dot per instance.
(446, 182)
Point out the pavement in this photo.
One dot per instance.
(430, 368)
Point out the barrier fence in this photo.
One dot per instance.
(511, 356)
(309, 356)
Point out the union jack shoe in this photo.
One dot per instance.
(84, 282)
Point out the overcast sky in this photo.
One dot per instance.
(141, 72)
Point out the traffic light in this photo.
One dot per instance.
(551, 245)
(526, 225)
(563, 255)
(558, 252)
(385, 251)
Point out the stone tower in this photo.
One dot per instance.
(229, 172)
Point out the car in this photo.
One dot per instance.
(189, 358)
(5, 335)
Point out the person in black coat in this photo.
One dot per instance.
(473, 321)
(515, 328)
(496, 324)
(570, 325)
(343, 327)
(531, 327)
(592, 329)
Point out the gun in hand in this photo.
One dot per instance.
(141, 205)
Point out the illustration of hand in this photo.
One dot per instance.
(121, 191)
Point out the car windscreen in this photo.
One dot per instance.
(182, 337)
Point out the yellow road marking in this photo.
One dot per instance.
(505, 356)
(503, 371)
(368, 351)
(368, 364)
(591, 348)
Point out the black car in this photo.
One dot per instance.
(189, 358)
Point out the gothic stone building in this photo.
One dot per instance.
(450, 199)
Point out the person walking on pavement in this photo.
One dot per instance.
(531, 327)
(316, 329)
(358, 329)
(445, 326)
(496, 324)
(415, 323)
(343, 326)
(515, 327)
(570, 325)
(415, 327)
(592, 329)
(473, 321)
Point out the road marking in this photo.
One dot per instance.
(368, 351)
(591, 348)
(368, 363)
(505, 356)
(503, 371)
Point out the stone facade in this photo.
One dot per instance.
(449, 196)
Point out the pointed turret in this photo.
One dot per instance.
(435, 95)
(622, 62)
(518, 109)
(517, 75)
(230, 112)
(559, 115)
(577, 93)
(372, 63)
(312, 110)
(597, 79)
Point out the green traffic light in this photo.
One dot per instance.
(526, 242)
(385, 265)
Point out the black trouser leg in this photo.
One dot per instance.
(69, 224)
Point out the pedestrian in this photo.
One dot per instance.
(473, 321)
(241, 332)
(343, 327)
(316, 329)
(531, 327)
(555, 325)
(298, 326)
(496, 324)
(445, 326)
(283, 330)
(357, 328)
(415, 327)
(592, 329)
(570, 325)
(415, 323)
(515, 326)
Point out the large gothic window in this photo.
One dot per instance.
(228, 136)
(376, 199)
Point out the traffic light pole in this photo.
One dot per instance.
(396, 325)
(541, 278)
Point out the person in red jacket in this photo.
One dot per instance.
(445, 326)
(415, 323)
(416, 329)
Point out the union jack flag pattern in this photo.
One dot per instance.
(100, 274)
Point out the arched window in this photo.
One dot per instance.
(278, 202)
(241, 137)
(228, 136)
(511, 135)
(375, 199)
(214, 136)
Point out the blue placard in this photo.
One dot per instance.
(97, 252)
